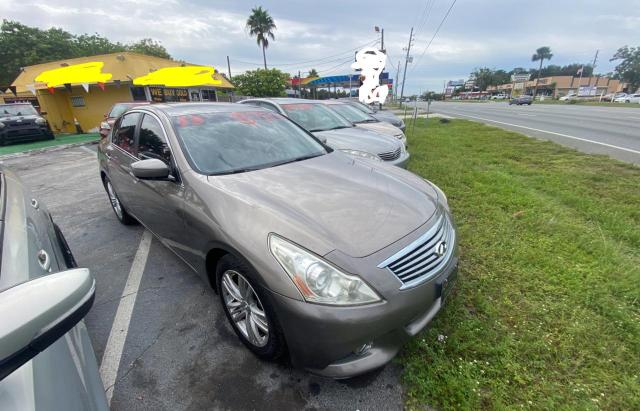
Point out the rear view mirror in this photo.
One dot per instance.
(150, 169)
(38, 312)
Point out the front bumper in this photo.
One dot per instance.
(402, 161)
(326, 339)
(27, 132)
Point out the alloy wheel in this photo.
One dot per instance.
(115, 203)
(245, 308)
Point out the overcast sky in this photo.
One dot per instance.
(324, 34)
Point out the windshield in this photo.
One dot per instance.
(118, 109)
(17, 110)
(315, 117)
(362, 107)
(225, 143)
(352, 114)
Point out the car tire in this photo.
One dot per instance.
(251, 310)
(116, 205)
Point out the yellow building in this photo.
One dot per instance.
(70, 105)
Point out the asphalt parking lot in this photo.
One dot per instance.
(178, 351)
(613, 131)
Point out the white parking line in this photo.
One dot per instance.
(113, 351)
(552, 132)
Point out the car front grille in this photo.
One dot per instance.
(426, 256)
(390, 156)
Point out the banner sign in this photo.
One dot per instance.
(587, 91)
(162, 94)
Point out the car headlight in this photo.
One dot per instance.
(317, 280)
(1, 124)
(40, 121)
(399, 136)
(105, 125)
(359, 153)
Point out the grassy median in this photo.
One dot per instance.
(546, 313)
(59, 140)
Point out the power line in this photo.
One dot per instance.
(313, 61)
(434, 34)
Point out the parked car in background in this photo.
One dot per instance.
(364, 120)
(621, 98)
(632, 98)
(46, 358)
(521, 99)
(115, 112)
(613, 96)
(382, 115)
(499, 97)
(335, 130)
(336, 259)
(21, 122)
(570, 96)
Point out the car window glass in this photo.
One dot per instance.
(269, 107)
(232, 142)
(124, 137)
(152, 143)
(315, 117)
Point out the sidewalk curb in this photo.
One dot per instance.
(45, 150)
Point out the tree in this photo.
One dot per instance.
(629, 68)
(149, 47)
(261, 25)
(22, 46)
(313, 73)
(261, 83)
(541, 54)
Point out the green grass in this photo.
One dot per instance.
(546, 312)
(59, 140)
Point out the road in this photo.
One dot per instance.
(613, 131)
(178, 351)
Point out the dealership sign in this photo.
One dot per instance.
(587, 91)
(519, 78)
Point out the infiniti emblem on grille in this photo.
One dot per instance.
(441, 248)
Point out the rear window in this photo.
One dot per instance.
(315, 117)
(224, 143)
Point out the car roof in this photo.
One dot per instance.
(178, 109)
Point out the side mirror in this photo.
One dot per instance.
(150, 169)
(38, 312)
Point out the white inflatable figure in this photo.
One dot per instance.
(371, 61)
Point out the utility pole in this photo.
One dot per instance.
(593, 69)
(395, 88)
(406, 61)
(229, 68)
(382, 40)
(299, 85)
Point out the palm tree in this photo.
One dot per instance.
(313, 73)
(261, 25)
(542, 53)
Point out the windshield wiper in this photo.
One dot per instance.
(338, 127)
(235, 171)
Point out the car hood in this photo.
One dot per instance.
(381, 127)
(356, 138)
(330, 202)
